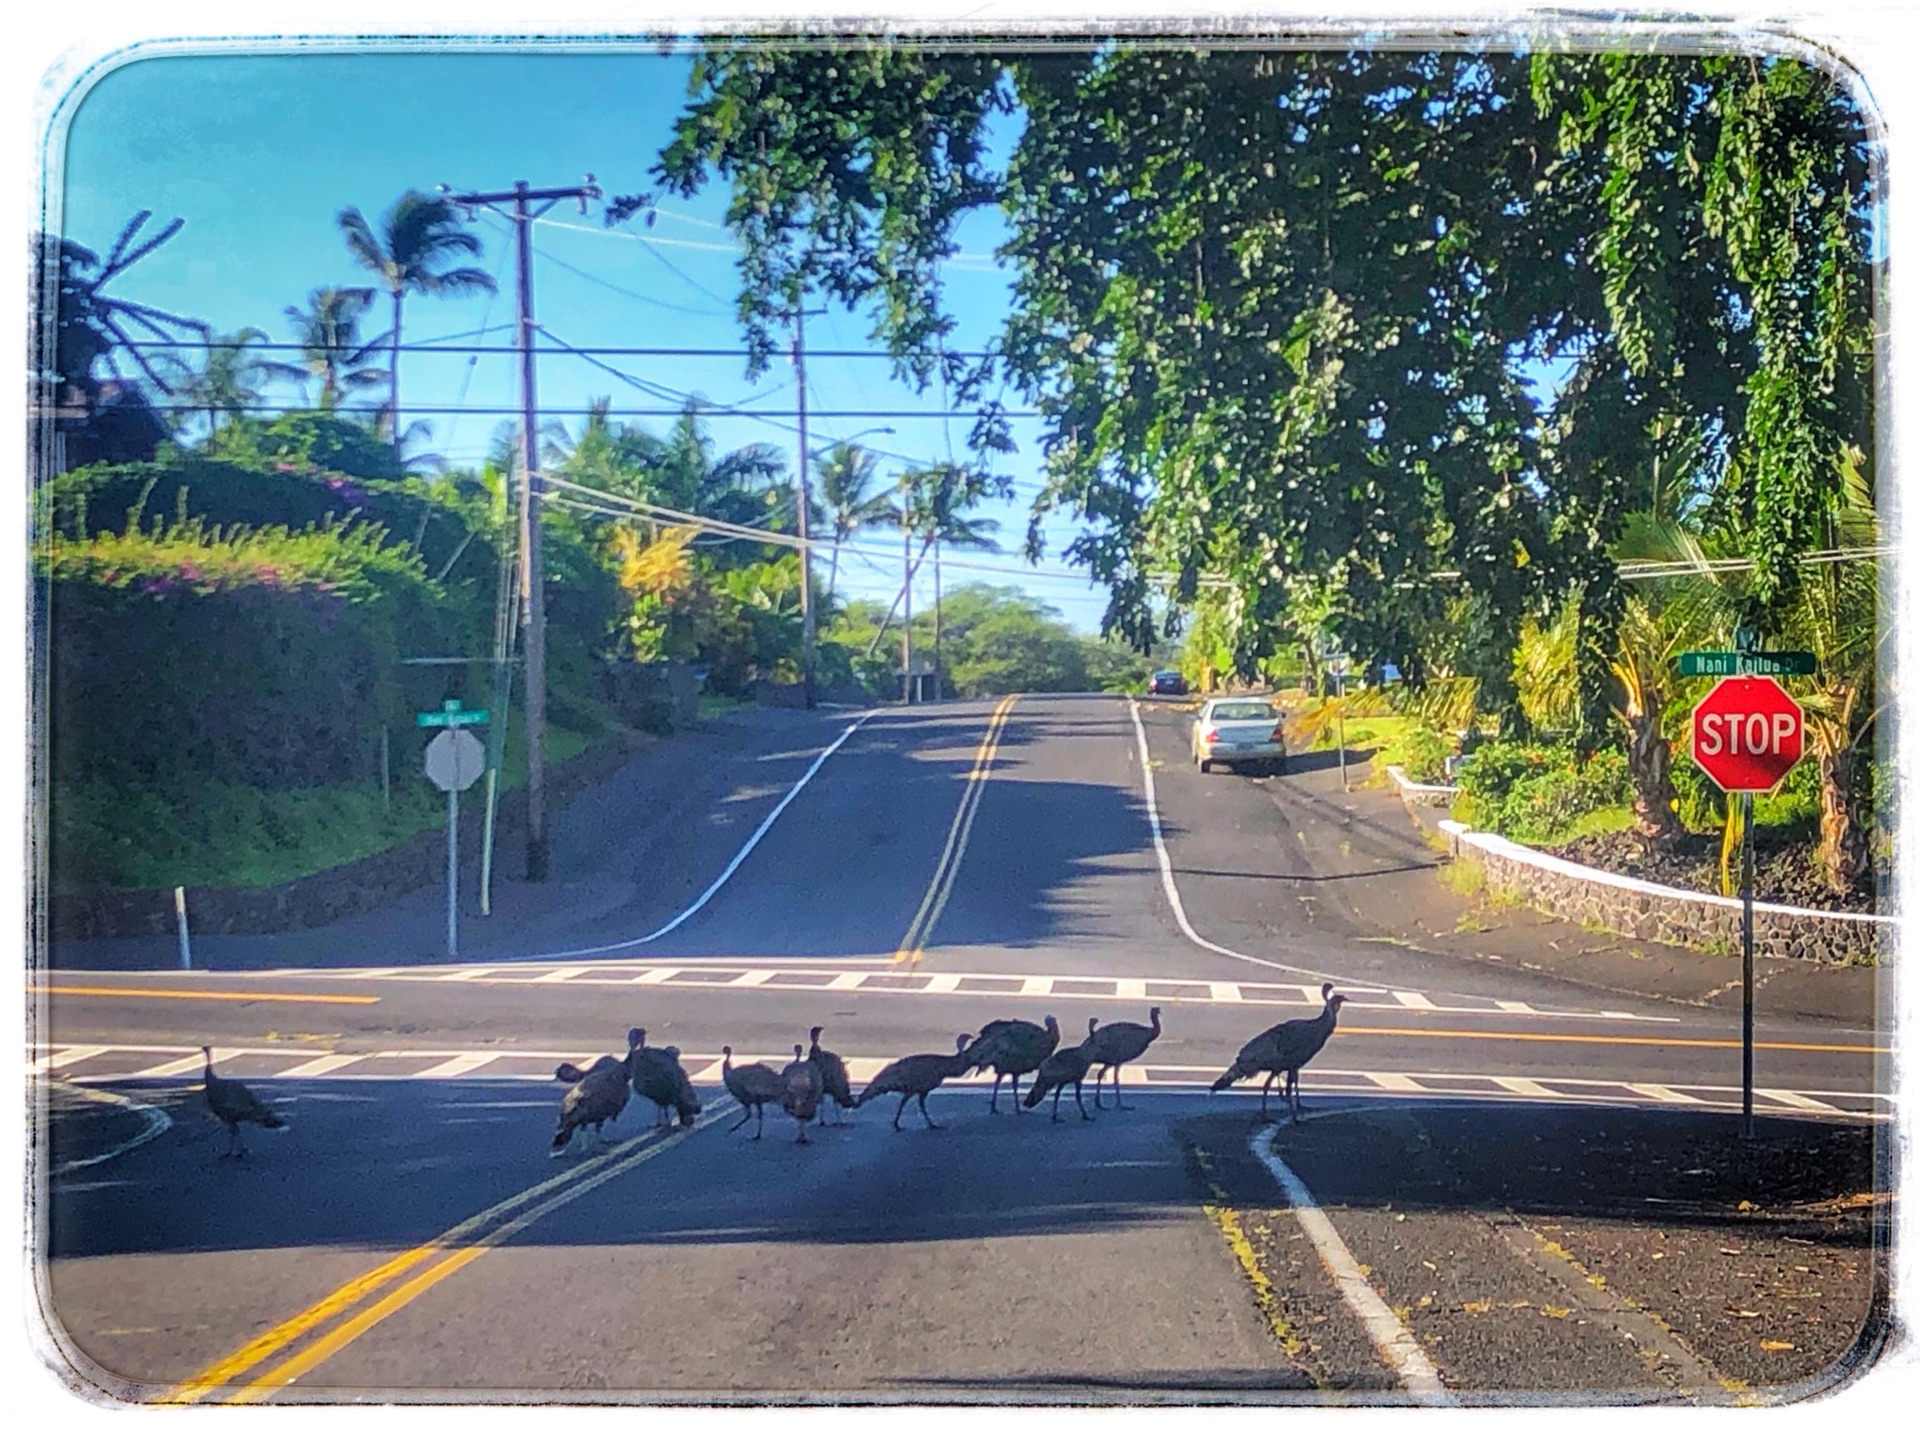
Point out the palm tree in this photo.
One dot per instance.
(846, 475)
(416, 236)
(1835, 614)
(330, 345)
(228, 382)
(934, 506)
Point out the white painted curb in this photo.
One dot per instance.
(1521, 854)
(1415, 787)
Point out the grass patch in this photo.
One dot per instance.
(208, 833)
(712, 706)
(1465, 876)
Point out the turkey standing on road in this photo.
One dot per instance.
(1120, 1043)
(833, 1076)
(914, 1077)
(657, 1074)
(598, 1095)
(1283, 1050)
(231, 1103)
(800, 1093)
(1059, 1070)
(755, 1086)
(1012, 1048)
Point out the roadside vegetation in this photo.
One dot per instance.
(1646, 422)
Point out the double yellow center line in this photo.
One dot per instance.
(913, 947)
(303, 1342)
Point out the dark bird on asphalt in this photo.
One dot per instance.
(658, 1076)
(1120, 1043)
(1012, 1048)
(914, 1077)
(598, 1095)
(800, 1091)
(1059, 1070)
(755, 1086)
(833, 1076)
(1284, 1050)
(232, 1105)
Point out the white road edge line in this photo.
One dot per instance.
(732, 865)
(157, 1123)
(1396, 1346)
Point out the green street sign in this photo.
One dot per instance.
(452, 714)
(1752, 662)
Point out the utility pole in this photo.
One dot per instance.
(906, 592)
(533, 591)
(807, 624)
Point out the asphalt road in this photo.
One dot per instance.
(409, 1236)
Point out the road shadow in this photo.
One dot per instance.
(1666, 1167)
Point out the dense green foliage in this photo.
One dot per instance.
(1536, 793)
(994, 640)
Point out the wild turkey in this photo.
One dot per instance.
(232, 1104)
(754, 1086)
(833, 1076)
(1012, 1048)
(598, 1095)
(1283, 1050)
(1059, 1070)
(658, 1076)
(800, 1091)
(914, 1077)
(1120, 1043)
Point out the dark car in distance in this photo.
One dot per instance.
(1167, 682)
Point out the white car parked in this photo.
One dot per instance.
(1239, 730)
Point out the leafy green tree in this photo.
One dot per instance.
(331, 349)
(1275, 305)
(418, 235)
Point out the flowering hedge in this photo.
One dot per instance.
(263, 657)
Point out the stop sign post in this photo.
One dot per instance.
(1747, 734)
(454, 760)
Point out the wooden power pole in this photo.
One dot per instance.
(533, 593)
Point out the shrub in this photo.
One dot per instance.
(1422, 752)
(258, 657)
(1536, 793)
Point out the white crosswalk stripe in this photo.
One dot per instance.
(875, 978)
(107, 1064)
(459, 1065)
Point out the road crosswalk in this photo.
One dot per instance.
(880, 977)
(107, 1064)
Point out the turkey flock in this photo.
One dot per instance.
(1011, 1049)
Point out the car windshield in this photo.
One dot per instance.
(1245, 710)
(1166, 674)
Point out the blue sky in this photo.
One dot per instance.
(257, 153)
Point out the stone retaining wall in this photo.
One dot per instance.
(1643, 911)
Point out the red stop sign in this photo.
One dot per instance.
(1748, 733)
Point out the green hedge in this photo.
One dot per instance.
(259, 658)
(1537, 793)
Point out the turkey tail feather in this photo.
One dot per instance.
(1233, 1073)
(1036, 1094)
